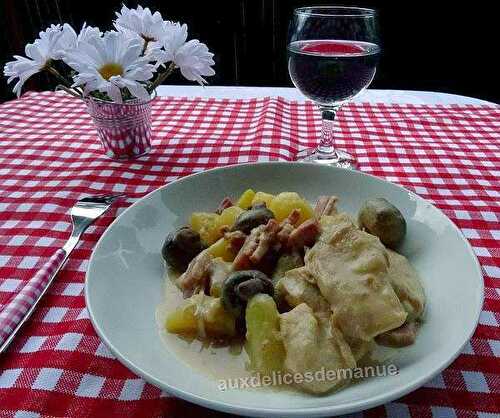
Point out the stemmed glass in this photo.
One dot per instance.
(333, 53)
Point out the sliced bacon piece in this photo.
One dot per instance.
(304, 235)
(287, 226)
(326, 205)
(236, 240)
(224, 204)
(197, 274)
(399, 337)
(256, 246)
(265, 241)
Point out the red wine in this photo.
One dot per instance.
(330, 72)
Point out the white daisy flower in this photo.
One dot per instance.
(149, 26)
(38, 56)
(88, 32)
(193, 57)
(111, 63)
(70, 39)
(174, 36)
(194, 60)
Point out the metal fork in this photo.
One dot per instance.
(15, 314)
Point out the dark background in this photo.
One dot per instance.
(426, 45)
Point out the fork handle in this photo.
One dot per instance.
(20, 308)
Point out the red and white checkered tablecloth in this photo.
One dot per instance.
(50, 157)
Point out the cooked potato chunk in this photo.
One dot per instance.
(264, 346)
(262, 197)
(245, 200)
(229, 215)
(207, 225)
(203, 317)
(222, 248)
(219, 272)
(284, 203)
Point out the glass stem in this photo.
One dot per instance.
(327, 143)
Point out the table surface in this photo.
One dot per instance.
(368, 96)
(444, 148)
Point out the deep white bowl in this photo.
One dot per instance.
(124, 286)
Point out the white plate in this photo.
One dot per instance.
(124, 286)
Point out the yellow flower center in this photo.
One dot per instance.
(109, 70)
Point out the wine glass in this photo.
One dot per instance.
(333, 53)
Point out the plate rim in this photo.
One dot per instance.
(335, 409)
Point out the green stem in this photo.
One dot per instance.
(58, 75)
(65, 82)
(162, 76)
(145, 47)
(68, 90)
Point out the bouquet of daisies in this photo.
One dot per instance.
(125, 63)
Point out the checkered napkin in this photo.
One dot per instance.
(50, 157)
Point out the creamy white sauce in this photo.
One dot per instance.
(226, 361)
(218, 362)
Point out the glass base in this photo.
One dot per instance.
(336, 158)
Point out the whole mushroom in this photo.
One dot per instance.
(257, 215)
(384, 220)
(241, 286)
(180, 247)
